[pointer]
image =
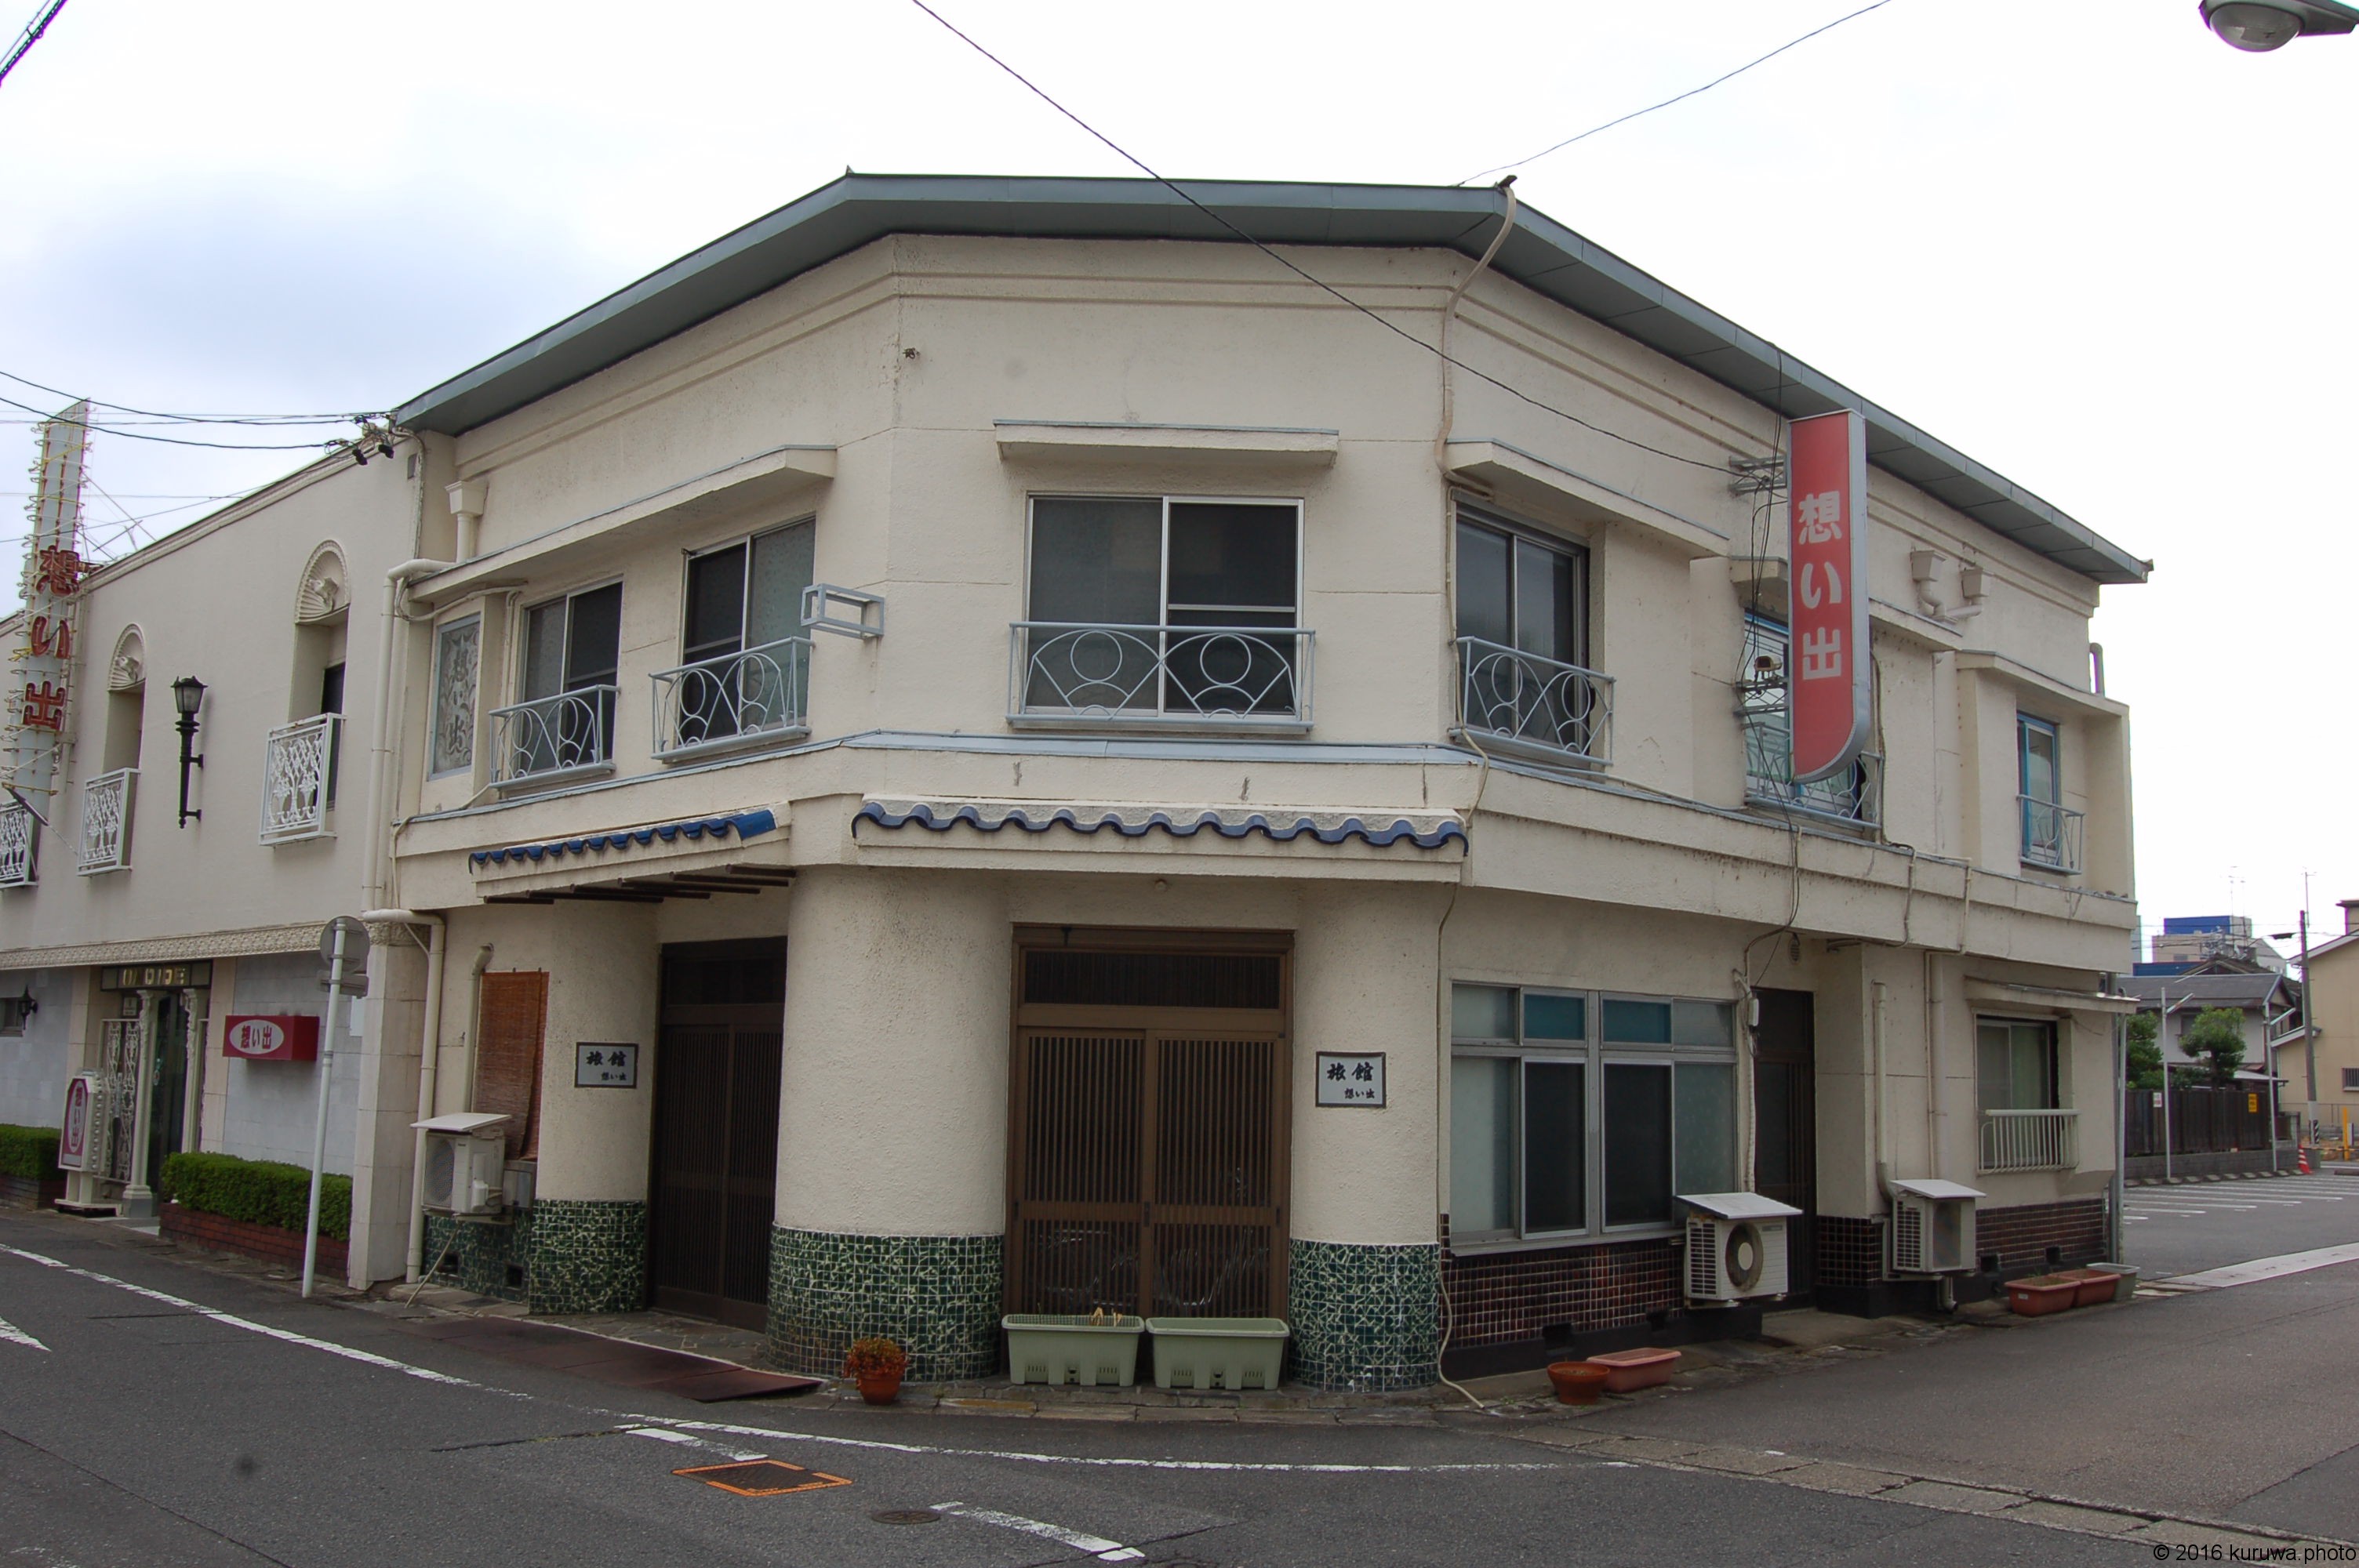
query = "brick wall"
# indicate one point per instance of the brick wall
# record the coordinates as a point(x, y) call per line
point(2020, 1236)
point(1502, 1298)
point(28, 1192)
point(1850, 1249)
point(267, 1242)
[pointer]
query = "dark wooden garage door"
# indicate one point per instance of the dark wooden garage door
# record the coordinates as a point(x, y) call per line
point(1149, 1117)
point(716, 1130)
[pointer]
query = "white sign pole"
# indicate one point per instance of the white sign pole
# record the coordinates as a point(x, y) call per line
point(320, 1121)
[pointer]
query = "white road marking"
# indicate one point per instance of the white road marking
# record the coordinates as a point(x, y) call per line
point(2267, 1268)
point(1098, 1546)
point(662, 1435)
point(10, 1334)
point(232, 1321)
point(1021, 1456)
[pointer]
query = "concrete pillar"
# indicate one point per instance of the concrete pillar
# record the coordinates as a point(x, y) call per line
point(383, 1147)
point(892, 1119)
point(1364, 1265)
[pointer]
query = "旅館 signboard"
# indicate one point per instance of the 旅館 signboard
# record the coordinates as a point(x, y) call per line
point(1827, 692)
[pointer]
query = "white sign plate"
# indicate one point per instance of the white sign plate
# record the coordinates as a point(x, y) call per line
point(599, 1064)
point(1354, 1078)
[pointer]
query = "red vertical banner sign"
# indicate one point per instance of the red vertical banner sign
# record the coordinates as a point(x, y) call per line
point(1826, 664)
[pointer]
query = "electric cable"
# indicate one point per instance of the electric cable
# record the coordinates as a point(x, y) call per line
point(1690, 92)
point(176, 441)
point(30, 36)
point(190, 419)
point(1319, 284)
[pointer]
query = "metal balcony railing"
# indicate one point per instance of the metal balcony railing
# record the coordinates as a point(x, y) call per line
point(107, 823)
point(2051, 835)
point(298, 779)
point(1062, 674)
point(549, 738)
point(1520, 702)
point(1854, 797)
point(18, 828)
point(738, 699)
point(2030, 1139)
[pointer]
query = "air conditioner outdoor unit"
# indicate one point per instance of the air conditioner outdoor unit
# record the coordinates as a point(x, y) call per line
point(1736, 1247)
point(1933, 1227)
point(466, 1156)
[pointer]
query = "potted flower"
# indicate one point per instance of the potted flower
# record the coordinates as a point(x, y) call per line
point(877, 1364)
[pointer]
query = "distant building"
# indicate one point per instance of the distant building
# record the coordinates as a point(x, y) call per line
point(2187, 940)
point(2334, 1018)
point(2269, 1001)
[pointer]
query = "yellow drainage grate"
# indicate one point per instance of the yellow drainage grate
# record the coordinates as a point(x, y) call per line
point(763, 1477)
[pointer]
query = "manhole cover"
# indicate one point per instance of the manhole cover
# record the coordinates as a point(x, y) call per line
point(762, 1478)
point(906, 1516)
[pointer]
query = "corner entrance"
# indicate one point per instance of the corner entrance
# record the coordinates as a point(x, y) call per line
point(1147, 1149)
point(1786, 1125)
point(713, 1187)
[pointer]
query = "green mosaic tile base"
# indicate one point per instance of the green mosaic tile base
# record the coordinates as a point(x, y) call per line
point(479, 1255)
point(1364, 1318)
point(589, 1256)
point(937, 1295)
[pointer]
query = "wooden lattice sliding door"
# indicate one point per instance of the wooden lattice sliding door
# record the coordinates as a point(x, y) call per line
point(1149, 1140)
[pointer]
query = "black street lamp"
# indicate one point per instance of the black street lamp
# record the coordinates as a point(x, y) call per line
point(188, 696)
point(2258, 26)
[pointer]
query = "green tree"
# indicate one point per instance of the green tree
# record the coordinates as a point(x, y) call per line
point(2142, 1061)
point(2216, 1039)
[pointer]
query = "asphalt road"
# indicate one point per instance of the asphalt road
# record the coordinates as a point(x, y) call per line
point(2193, 1225)
point(216, 1421)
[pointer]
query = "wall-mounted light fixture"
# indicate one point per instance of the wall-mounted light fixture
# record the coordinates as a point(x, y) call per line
point(188, 696)
point(15, 1009)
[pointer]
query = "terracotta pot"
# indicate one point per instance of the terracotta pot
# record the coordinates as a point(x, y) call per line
point(1578, 1383)
point(2041, 1294)
point(880, 1388)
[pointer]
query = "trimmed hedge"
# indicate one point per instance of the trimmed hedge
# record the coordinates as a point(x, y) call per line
point(264, 1191)
point(29, 1151)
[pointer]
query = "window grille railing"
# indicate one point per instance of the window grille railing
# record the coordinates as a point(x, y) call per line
point(107, 823)
point(1064, 673)
point(1522, 702)
point(553, 738)
point(1854, 797)
point(17, 830)
point(2051, 835)
point(738, 699)
point(299, 771)
point(2030, 1139)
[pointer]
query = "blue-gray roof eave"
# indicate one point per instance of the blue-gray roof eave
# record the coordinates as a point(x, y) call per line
point(1542, 255)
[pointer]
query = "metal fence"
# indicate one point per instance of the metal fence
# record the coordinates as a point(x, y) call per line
point(2202, 1120)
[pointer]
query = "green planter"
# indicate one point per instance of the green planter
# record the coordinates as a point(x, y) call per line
point(1043, 1349)
point(1231, 1352)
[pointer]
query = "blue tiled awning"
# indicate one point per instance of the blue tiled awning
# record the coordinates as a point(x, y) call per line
point(745, 825)
point(1137, 822)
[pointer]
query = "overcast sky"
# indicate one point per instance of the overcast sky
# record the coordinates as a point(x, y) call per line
point(2087, 245)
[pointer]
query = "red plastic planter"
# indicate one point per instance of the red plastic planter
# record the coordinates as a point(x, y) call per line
point(1627, 1371)
point(1578, 1383)
point(2097, 1285)
point(2041, 1294)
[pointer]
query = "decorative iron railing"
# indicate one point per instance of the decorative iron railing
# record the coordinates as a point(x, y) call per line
point(1064, 673)
point(552, 738)
point(107, 823)
point(2051, 835)
point(1854, 796)
point(18, 831)
point(1521, 702)
point(738, 699)
point(2030, 1139)
point(298, 779)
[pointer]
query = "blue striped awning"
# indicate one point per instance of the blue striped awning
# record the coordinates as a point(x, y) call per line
point(745, 825)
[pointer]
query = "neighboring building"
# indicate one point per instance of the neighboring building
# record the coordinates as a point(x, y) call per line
point(2333, 975)
point(134, 934)
point(2188, 940)
point(2268, 1001)
point(985, 693)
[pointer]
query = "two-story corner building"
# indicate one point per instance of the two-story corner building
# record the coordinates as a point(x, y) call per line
point(993, 746)
point(163, 899)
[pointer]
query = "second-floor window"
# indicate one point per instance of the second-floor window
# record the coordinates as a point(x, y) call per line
point(2050, 836)
point(743, 669)
point(1763, 707)
point(1523, 643)
point(1161, 606)
point(571, 654)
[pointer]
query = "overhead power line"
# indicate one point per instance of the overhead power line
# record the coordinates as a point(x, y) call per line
point(189, 418)
point(1319, 284)
point(177, 441)
point(30, 36)
point(1675, 98)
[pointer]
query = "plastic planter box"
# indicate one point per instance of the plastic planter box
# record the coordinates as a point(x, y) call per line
point(1231, 1352)
point(2041, 1294)
point(2125, 1286)
point(2097, 1285)
point(1627, 1371)
point(1049, 1349)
